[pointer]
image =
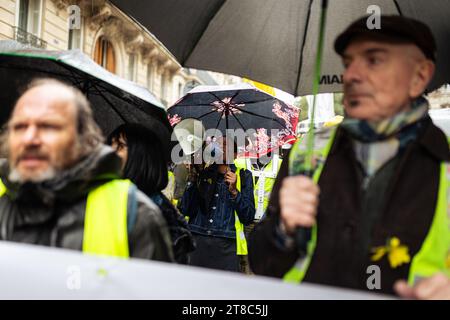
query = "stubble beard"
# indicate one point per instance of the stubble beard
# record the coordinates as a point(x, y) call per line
point(48, 174)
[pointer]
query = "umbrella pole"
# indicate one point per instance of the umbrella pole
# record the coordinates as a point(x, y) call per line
point(303, 234)
point(226, 122)
point(316, 80)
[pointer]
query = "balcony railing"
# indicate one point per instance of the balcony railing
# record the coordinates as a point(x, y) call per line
point(25, 37)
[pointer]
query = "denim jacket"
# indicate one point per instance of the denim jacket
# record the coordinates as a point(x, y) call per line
point(218, 218)
point(182, 239)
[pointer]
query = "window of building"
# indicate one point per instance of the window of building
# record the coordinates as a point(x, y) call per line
point(30, 16)
point(28, 23)
point(104, 54)
point(23, 14)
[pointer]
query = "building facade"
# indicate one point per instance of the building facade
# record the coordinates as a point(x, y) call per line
point(109, 37)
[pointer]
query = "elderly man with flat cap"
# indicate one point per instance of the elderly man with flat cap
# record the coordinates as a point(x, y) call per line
point(377, 205)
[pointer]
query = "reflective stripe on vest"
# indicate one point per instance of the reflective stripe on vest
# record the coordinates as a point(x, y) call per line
point(264, 186)
point(435, 249)
point(105, 223)
point(2, 188)
point(241, 242)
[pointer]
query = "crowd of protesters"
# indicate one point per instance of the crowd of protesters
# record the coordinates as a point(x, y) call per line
point(63, 184)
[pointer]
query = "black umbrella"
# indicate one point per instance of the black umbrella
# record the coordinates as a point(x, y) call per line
point(114, 100)
point(268, 121)
point(274, 41)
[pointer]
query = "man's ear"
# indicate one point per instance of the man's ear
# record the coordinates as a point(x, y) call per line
point(421, 78)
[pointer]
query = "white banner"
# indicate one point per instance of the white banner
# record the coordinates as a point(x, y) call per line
point(35, 272)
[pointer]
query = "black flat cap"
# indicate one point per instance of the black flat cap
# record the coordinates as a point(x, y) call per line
point(394, 29)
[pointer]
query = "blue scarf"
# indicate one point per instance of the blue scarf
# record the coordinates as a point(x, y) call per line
point(396, 126)
point(375, 143)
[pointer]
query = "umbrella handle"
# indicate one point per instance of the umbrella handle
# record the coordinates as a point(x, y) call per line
point(302, 237)
point(303, 234)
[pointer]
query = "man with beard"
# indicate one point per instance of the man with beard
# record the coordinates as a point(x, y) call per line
point(382, 216)
point(61, 185)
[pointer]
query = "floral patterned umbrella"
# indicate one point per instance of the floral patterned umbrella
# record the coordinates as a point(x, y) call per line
point(267, 121)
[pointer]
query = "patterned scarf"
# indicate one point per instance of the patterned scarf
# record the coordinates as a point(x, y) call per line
point(377, 142)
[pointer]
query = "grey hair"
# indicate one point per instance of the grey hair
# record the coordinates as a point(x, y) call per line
point(90, 136)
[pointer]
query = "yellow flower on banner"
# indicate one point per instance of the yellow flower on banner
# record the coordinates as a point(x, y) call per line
point(397, 253)
point(379, 253)
point(398, 256)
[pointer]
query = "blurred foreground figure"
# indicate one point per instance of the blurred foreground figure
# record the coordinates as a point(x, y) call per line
point(382, 216)
point(60, 186)
point(145, 164)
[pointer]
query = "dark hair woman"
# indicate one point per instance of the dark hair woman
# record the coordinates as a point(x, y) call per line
point(145, 163)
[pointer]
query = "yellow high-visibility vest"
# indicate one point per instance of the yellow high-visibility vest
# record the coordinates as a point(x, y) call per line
point(241, 242)
point(105, 223)
point(170, 188)
point(266, 179)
